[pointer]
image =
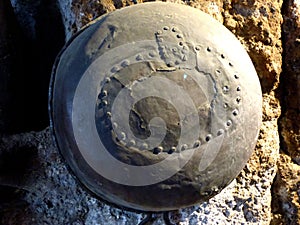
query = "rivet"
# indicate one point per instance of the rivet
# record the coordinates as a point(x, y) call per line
point(170, 64)
point(208, 49)
point(131, 142)
point(236, 76)
point(115, 69)
point(238, 100)
point(222, 56)
point(107, 79)
point(173, 149)
point(174, 29)
point(230, 64)
point(115, 125)
point(108, 114)
point(235, 112)
point(197, 144)
point(220, 132)
point(157, 150)
point(197, 48)
point(174, 49)
point(104, 93)
point(105, 102)
point(166, 28)
point(139, 57)
point(151, 54)
point(208, 138)
point(225, 105)
point(123, 136)
point(125, 63)
point(144, 146)
point(179, 36)
point(185, 47)
point(159, 32)
point(228, 123)
point(160, 148)
point(184, 147)
point(225, 89)
point(181, 43)
point(238, 88)
point(218, 71)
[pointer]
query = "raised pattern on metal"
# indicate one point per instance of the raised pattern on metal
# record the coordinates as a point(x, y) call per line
point(156, 114)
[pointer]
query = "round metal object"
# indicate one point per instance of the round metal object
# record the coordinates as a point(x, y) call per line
point(155, 107)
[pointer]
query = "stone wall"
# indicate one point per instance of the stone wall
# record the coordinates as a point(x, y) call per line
point(267, 191)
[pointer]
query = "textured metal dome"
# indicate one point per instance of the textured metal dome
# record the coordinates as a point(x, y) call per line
point(155, 106)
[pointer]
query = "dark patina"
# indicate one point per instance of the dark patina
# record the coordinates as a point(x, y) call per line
point(197, 79)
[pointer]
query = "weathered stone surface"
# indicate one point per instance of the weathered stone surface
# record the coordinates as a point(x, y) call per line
point(213, 8)
point(287, 185)
point(257, 24)
point(286, 192)
point(51, 195)
point(290, 81)
point(47, 192)
point(78, 13)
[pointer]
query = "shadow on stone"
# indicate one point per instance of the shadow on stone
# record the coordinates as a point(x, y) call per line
point(16, 164)
point(38, 37)
point(12, 209)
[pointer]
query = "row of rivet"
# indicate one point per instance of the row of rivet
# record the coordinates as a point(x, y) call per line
point(159, 149)
point(183, 147)
point(184, 50)
point(226, 89)
point(122, 137)
point(197, 143)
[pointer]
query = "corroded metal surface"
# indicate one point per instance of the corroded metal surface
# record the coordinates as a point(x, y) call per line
point(155, 107)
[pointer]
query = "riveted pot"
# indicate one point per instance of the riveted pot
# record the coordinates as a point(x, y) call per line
point(155, 106)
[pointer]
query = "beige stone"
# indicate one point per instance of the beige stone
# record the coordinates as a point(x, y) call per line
point(286, 195)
